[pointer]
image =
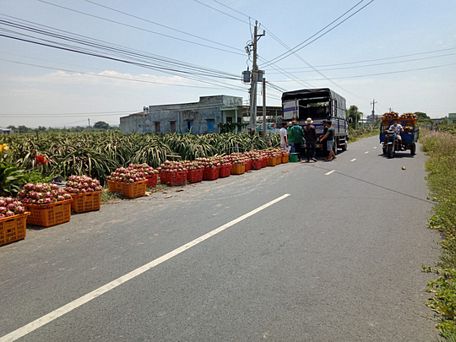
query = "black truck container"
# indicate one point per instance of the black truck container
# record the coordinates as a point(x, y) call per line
point(319, 104)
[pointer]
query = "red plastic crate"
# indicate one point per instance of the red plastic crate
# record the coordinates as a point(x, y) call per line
point(264, 161)
point(284, 157)
point(177, 178)
point(85, 202)
point(12, 228)
point(152, 180)
point(210, 173)
point(225, 170)
point(195, 176)
point(257, 164)
point(248, 165)
point(47, 215)
point(164, 175)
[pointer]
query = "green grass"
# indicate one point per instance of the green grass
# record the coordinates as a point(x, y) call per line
point(441, 168)
point(363, 132)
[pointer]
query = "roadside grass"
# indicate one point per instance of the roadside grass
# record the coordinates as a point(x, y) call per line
point(441, 177)
point(362, 132)
point(113, 197)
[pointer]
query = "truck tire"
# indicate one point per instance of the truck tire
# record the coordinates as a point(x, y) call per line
point(344, 146)
point(413, 149)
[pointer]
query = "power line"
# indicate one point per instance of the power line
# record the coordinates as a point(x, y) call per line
point(104, 76)
point(136, 27)
point(163, 25)
point(102, 45)
point(290, 49)
point(317, 36)
point(377, 59)
point(190, 74)
point(382, 73)
point(222, 12)
point(377, 64)
point(313, 68)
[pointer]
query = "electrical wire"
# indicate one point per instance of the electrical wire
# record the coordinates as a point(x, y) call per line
point(309, 40)
point(378, 59)
point(165, 26)
point(284, 72)
point(79, 72)
point(184, 73)
point(137, 27)
point(376, 64)
point(222, 12)
point(383, 73)
point(102, 45)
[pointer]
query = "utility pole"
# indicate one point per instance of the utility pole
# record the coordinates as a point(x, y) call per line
point(89, 121)
point(254, 77)
point(264, 106)
point(373, 109)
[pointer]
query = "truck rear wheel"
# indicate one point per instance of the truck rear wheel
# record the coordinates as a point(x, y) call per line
point(344, 146)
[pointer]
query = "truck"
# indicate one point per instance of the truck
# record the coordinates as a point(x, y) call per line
point(321, 105)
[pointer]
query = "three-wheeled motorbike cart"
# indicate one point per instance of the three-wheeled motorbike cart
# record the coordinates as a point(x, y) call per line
point(408, 137)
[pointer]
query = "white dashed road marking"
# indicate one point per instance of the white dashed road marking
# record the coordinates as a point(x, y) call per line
point(366, 152)
point(328, 173)
point(354, 159)
point(32, 326)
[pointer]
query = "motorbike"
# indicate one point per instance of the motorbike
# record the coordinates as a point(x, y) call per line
point(390, 143)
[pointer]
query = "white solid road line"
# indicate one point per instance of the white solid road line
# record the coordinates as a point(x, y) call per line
point(328, 173)
point(28, 328)
point(354, 159)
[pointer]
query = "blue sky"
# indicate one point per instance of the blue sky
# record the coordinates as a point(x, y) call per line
point(402, 53)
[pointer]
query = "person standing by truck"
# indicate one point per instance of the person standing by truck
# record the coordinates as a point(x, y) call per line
point(310, 137)
point(328, 139)
point(284, 137)
point(296, 139)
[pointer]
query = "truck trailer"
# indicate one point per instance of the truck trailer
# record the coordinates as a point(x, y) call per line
point(320, 104)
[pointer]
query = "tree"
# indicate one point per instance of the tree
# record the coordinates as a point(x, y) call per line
point(422, 117)
point(101, 125)
point(353, 116)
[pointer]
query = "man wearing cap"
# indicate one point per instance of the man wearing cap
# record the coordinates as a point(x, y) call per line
point(310, 136)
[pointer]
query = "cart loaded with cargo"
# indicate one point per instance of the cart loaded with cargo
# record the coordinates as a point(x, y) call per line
point(402, 137)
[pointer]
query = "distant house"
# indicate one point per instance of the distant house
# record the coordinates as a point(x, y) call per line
point(205, 116)
point(452, 118)
point(5, 131)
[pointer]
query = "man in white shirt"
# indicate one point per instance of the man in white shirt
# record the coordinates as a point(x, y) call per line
point(397, 128)
point(284, 136)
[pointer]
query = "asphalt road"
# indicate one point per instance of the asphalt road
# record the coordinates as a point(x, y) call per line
point(337, 257)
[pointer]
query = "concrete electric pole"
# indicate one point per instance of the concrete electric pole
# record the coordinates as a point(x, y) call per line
point(264, 106)
point(254, 77)
point(373, 109)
